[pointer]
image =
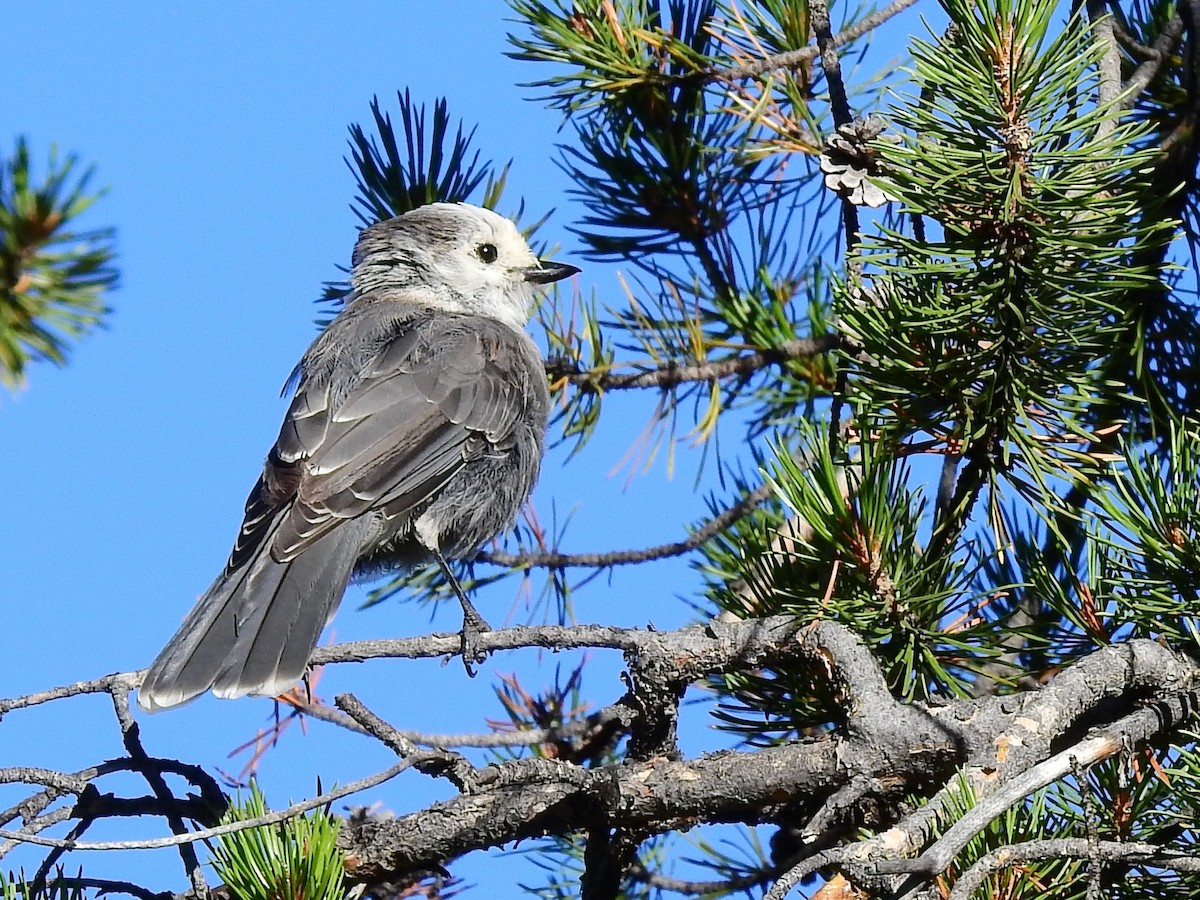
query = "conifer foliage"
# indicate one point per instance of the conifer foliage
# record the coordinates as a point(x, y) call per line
point(933, 327)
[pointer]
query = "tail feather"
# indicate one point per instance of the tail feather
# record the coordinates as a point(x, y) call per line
point(253, 631)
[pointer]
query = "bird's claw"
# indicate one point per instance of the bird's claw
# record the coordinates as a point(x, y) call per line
point(471, 652)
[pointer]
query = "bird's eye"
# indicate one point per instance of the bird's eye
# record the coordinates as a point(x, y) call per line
point(487, 252)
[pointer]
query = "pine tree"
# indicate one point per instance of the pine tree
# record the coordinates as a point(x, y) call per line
point(933, 328)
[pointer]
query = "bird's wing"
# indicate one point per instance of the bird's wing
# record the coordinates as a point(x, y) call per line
point(434, 397)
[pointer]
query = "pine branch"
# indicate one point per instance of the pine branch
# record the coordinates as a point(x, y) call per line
point(54, 282)
point(673, 374)
point(107, 886)
point(271, 818)
point(1130, 732)
point(793, 58)
point(1110, 59)
point(1017, 758)
point(554, 560)
point(1132, 853)
point(797, 873)
point(584, 729)
point(1157, 55)
point(1003, 741)
point(131, 738)
point(706, 888)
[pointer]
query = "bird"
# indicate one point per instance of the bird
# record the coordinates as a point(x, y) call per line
point(415, 433)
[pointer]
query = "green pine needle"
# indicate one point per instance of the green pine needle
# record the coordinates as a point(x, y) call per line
point(53, 281)
point(296, 859)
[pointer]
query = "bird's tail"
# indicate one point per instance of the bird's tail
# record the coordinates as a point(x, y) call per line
point(253, 631)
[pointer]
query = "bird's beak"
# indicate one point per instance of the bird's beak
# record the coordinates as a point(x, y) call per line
point(547, 271)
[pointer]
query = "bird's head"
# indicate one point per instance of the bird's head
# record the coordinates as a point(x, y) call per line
point(464, 258)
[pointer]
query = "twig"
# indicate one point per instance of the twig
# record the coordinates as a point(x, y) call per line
point(1087, 803)
point(1160, 53)
point(37, 886)
point(375, 726)
point(29, 810)
point(842, 115)
point(442, 763)
point(714, 526)
point(549, 637)
point(233, 827)
point(60, 781)
point(731, 885)
point(318, 710)
point(835, 809)
point(827, 45)
point(524, 737)
point(36, 824)
point(130, 736)
point(793, 58)
point(671, 374)
point(95, 686)
point(109, 886)
point(1131, 43)
point(798, 873)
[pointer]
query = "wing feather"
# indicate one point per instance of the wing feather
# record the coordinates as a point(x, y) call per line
point(436, 395)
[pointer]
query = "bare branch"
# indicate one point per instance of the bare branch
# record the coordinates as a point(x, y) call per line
point(375, 726)
point(1069, 848)
point(827, 45)
point(647, 796)
point(1010, 760)
point(672, 374)
point(714, 888)
point(29, 810)
point(1110, 60)
point(35, 824)
point(207, 833)
point(840, 806)
point(548, 637)
point(1132, 44)
point(583, 728)
point(1159, 54)
point(443, 763)
point(793, 58)
point(317, 710)
point(641, 796)
point(130, 736)
point(1001, 744)
point(714, 526)
point(61, 781)
point(1086, 753)
point(105, 886)
point(799, 872)
point(103, 685)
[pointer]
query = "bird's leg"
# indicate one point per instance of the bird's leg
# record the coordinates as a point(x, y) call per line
point(473, 623)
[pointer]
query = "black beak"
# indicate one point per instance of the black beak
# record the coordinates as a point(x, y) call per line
point(548, 271)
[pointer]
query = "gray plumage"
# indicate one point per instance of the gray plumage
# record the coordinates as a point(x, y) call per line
point(416, 430)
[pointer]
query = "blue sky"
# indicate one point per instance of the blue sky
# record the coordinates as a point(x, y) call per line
point(220, 131)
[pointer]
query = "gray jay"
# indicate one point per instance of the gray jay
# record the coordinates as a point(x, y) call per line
point(415, 432)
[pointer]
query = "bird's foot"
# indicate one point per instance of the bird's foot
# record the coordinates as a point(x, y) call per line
point(473, 628)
